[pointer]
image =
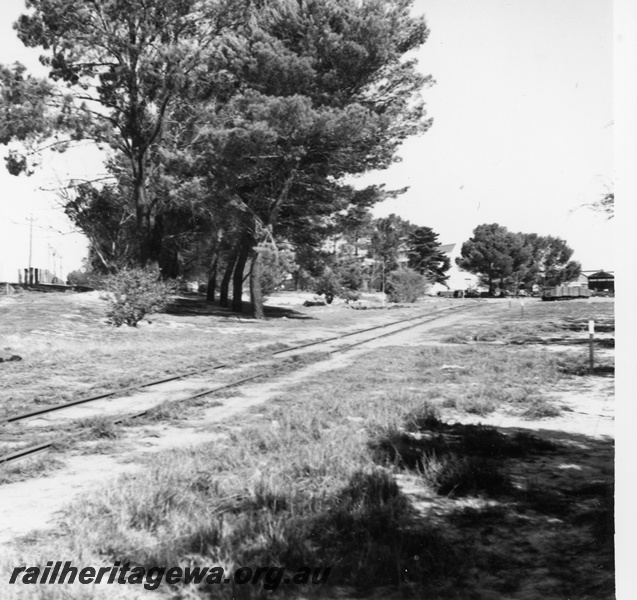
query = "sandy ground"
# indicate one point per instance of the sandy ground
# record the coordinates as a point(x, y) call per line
point(35, 504)
point(29, 506)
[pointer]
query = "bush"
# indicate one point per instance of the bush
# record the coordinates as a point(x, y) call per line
point(277, 262)
point(134, 293)
point(304, 280)
point(78, 278)
point(350, 274)
point(343, 281)
point(86, 278)
point(329, 285)
point(349, 295)
point(405, 285)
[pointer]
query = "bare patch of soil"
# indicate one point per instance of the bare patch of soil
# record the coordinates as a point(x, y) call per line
point(542, 526)
point(43, 508)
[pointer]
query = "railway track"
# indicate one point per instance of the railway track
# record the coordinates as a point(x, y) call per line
point(333, 344)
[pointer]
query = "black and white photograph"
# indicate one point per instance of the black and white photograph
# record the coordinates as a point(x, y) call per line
point(315, 299)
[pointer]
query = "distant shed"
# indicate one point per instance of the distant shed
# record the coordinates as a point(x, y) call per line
point(601, 282)
point(457, 279)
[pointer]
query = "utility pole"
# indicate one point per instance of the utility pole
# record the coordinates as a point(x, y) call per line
point(30, 219)
point(30, 276)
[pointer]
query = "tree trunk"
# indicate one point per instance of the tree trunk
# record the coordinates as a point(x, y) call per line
point(237, 276)
point(256, 293)
point(169, 263)
point(491, 286)
point(142, 207)
point(382, 280)
point(225, 282)
point(212, 280)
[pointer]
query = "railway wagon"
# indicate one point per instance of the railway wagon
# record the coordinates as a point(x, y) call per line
point(451, 294)
point(565, 292)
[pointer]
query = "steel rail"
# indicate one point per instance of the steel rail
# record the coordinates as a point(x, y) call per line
point(338, 337)
point(108, 394)
point(42, 447)
point(382, 335)
point(42, 411)
point(28, 451)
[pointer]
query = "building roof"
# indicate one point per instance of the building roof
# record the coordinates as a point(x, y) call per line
point(601, 275)
point(447, 248)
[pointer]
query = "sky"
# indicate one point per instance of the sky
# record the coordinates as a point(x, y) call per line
point(523, 123)
point(522, 134)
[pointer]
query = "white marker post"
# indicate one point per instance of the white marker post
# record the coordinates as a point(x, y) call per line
point(522, 306)
point(591, 351)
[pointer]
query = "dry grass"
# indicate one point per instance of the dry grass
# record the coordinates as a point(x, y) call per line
point(69, 351)
point(541, 320)
point(302, 482)
point(312, 479)
point(70, 369)
point(38, 466)
point(456, 459)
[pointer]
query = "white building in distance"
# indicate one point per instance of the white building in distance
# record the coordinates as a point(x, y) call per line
point(458, 280)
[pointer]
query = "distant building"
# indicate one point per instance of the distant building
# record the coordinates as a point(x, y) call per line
point(581, 280)
point(601, 281)
point(458, 280)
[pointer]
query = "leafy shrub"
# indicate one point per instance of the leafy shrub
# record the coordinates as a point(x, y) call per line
point(349, 295)
point(277, 262)
point(343, 281)
point(350, 274)
point(329, 285)
point(77, 278)
point(304, 280)
point(405, 285)
point(134, 293)
point(84, 278)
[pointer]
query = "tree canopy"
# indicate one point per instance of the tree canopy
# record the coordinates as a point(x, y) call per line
point(425, 255)
point(508, 259)
point(606, 204)
point(390, 234)
point(121, 68)
point(230, 123)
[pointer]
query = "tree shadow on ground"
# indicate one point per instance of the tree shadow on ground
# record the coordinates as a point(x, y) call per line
point(449, 511)
point(530, 512)
point(190, 305)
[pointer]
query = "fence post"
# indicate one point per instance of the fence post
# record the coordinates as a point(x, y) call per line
point(591, 351)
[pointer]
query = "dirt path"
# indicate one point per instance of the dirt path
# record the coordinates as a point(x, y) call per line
point(34, 504)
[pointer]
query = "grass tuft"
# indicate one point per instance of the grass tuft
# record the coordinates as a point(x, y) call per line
point(99, 428)
point(466, 476)
point(370, 526)
point(38, 466)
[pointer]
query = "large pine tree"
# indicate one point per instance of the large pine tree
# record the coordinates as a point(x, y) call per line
point(425, 255)
point(244, 115)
